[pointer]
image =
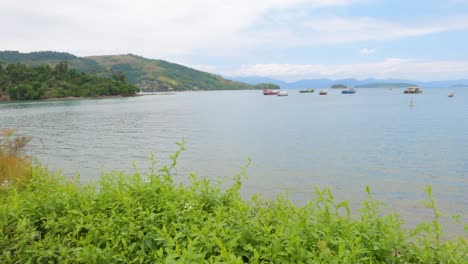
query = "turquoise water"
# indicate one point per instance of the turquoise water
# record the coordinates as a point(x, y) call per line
point(344, 142)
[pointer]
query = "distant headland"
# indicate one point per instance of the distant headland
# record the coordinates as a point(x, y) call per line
point(139, 73)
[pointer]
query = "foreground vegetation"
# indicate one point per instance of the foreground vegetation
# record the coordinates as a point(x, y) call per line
point(22, 82)
point(14, 164)
point(147, 218)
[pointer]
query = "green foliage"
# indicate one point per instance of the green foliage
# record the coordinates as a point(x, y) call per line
point(270, 86)
point(22, 82)
point(17, 57)
point(14, 164)
point(147, 218)
point(147, 74)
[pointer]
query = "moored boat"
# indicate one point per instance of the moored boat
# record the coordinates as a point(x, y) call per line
point(307, 91)
point(412, 90)
point(282, 93)
point(323, 92)
point(349, 91)
point(270, 92)
point(451, 94)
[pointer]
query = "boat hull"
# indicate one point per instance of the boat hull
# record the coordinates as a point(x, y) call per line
point(270, 92)
point(408, 92)
point(412, 90)
point(307, 91)
point(348, 92)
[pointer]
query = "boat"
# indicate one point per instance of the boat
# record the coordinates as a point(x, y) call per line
point(323, 92)
point(451, 94)
point(270, 92)
point(307, 91)
point(282, 93)
point(411, 103)
point(349, 91)
point(412, 90)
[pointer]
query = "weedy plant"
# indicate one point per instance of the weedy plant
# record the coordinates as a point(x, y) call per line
point(14, 164)
point(147, 218)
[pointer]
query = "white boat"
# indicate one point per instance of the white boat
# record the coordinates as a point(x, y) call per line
point(451, 94)
point(282, 93)
point(412, 90)
point(350, 90)
point(270, 92)
point(323, 92)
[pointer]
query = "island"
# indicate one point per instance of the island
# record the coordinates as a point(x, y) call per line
point(339, 86)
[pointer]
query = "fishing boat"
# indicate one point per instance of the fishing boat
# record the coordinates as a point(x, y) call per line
point(282, 93)
point(451, 94)
point(323, 92)
point(307, 91)
point(412, 90)
point(270, 92)
point(349, 91)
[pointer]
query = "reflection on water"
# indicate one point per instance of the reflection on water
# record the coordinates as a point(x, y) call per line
point(297, 142)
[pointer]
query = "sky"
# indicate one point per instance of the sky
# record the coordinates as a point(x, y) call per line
point(423, 40)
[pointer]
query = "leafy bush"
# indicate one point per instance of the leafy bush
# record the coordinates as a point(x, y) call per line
point(14, 165)
point(147, 218)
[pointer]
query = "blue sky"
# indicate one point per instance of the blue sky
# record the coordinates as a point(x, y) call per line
point(285, 39)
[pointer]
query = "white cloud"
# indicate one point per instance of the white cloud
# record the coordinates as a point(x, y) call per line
point(367, 51)
point(388, 68)
point(147, 27)
point(333, 30)
point(201, 67)
point(180, 28)
point(161, 28)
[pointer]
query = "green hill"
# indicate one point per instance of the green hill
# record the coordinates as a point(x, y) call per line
point(147, 74)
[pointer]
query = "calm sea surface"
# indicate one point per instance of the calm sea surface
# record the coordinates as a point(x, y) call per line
point(344, 142)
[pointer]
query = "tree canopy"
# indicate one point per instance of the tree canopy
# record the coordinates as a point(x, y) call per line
point(22, 82)
point(147, 74)
point(267, 86)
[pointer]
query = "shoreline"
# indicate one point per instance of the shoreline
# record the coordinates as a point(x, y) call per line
point(3, 99)
point(71, 98)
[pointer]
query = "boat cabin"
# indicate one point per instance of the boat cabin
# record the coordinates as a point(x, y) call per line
point(413, 90)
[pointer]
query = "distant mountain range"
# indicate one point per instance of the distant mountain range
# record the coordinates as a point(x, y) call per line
point(367, 83)
point(160, 75)
point(147, 74)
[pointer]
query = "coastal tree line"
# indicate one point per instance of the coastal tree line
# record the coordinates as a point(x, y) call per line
point(23, 82)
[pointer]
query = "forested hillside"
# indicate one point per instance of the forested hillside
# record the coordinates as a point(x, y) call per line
point(22, 82)
point(147, 74)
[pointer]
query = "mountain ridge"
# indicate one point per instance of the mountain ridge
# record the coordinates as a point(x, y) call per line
point(147, 74)
point(160, 75)
point(369, 82)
